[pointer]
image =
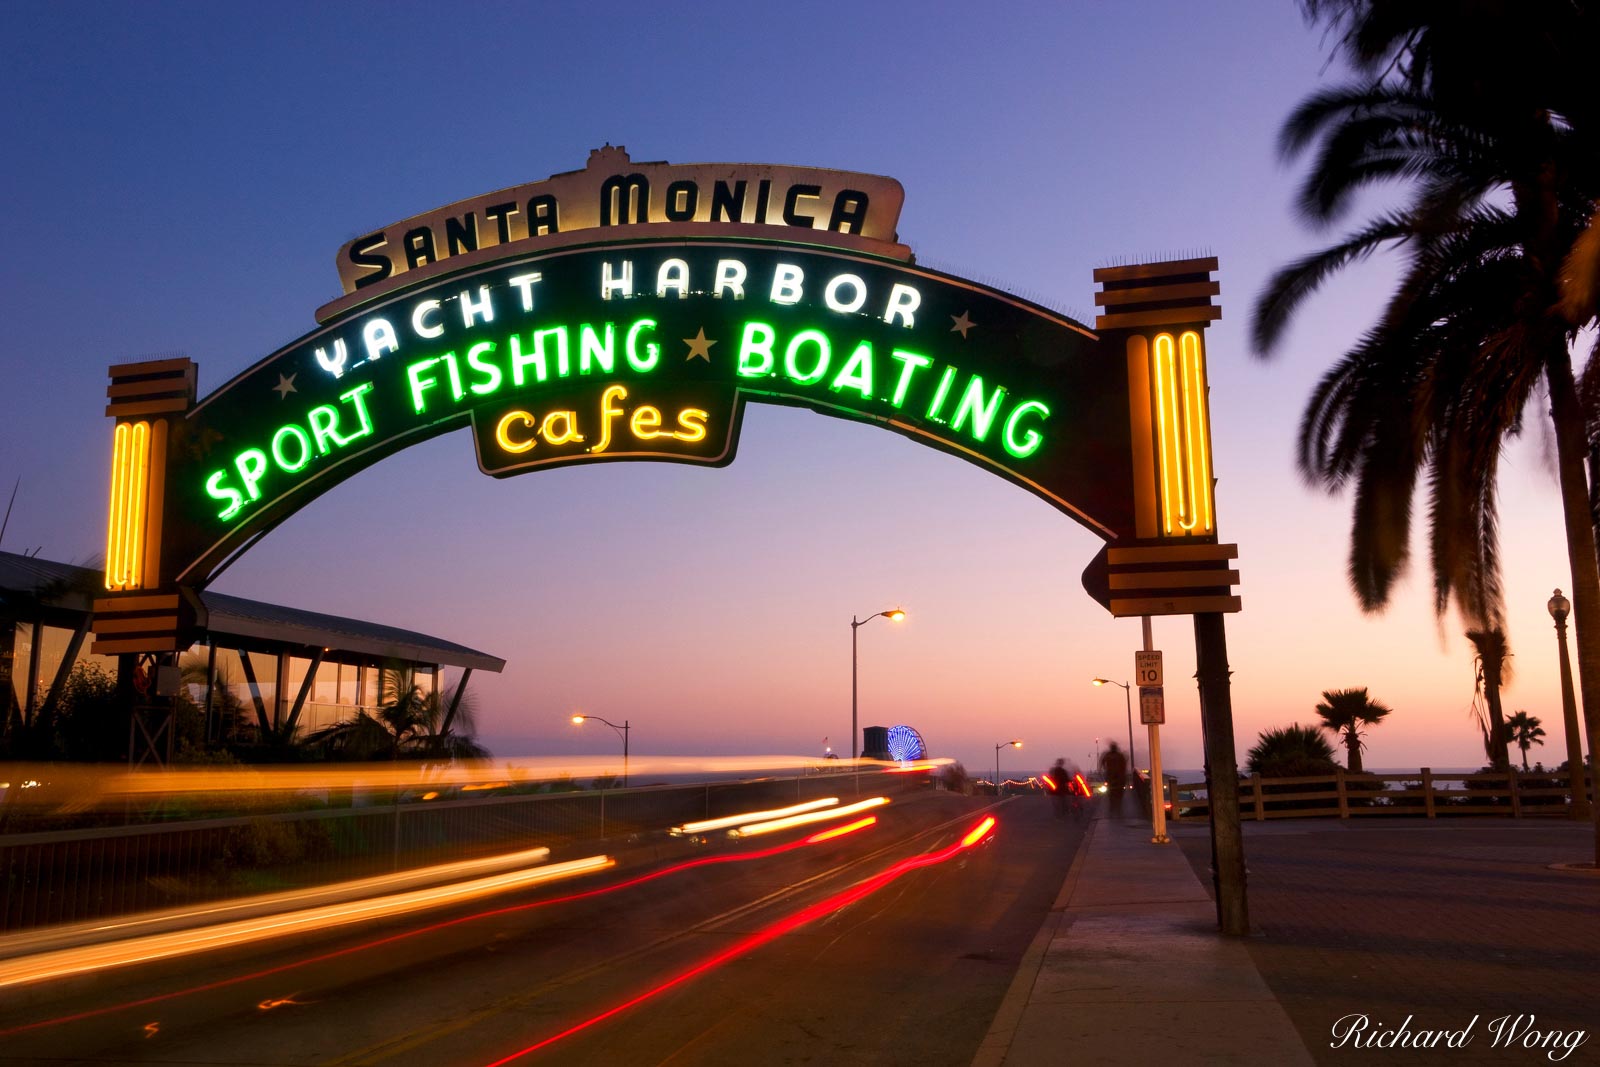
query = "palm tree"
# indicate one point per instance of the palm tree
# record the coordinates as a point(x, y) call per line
point(1525, 731)
point(1291, 752)
point(1492, 668)
point(1486, 113)
point(1344, 712)
point(409, 724)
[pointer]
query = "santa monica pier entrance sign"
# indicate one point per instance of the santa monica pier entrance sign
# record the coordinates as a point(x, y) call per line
point(630, 311)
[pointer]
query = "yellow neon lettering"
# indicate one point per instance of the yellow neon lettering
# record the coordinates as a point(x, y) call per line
point(646, 423)
point(569, 428)
point(502, 431)
point(608, 414)
point(692, 425)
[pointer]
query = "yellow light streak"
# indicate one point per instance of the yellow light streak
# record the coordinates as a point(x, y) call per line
point(807, 819)
point(28, 970)
point(751, 816)
point(76, 935)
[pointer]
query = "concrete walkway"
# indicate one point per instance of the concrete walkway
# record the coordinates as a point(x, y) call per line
point(1129, 968)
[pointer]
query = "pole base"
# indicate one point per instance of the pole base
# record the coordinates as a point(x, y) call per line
point(1161, 839)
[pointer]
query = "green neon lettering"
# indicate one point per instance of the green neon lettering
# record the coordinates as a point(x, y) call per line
point(563, 364)
point(757, 341)
point(217, 491)
point(454, 368)
point(824, 353)
point(357, 398)
point(519, 361)
point(856, 373)
point(324, 422)
point(420, 384)
point(593, 350)
point(251, 464)
point(941, 394)
point(652, 352)
point(981, 411)
point(1031, 438)
point(910, 363)
point(299, 436)
point(491, 373)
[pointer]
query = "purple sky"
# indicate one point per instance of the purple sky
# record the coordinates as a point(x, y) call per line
point(179, 177)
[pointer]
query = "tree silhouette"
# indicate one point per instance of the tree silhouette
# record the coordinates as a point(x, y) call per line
point(1344, 712)
point(1525, 731)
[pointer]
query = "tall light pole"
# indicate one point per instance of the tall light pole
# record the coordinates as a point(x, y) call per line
point(1127, 692)
point(893, 614)
point(578, 720)
point(1559, 607)
point(997, 748)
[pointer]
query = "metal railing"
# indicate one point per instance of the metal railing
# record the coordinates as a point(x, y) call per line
point(72, 875)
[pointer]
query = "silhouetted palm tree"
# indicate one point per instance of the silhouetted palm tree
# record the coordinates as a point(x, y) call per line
point(1525, 731)
point(1344, 712)
point(1486, 112)
point(1291, 752)
point(409, 724)
point(1492, 669)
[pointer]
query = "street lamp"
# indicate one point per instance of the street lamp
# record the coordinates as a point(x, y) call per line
point(997, 748)
point(1127, 692)
point(1559, 607)
point(578, 720)
point(893, 614)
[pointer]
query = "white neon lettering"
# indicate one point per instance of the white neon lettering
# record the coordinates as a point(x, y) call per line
point(379, 338)
point(419, 313)
point(730, 278)
point(334, 366)
point(481, 309)
point(787, 284)
point(903, 303)
point(673, 274)
point(611, 282)
point(523, 284)
point(830, 295)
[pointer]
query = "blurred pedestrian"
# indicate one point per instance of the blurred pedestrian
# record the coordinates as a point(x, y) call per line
point(1114, 769)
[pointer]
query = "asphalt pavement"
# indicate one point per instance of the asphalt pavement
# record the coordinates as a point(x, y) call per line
point(1459, 941)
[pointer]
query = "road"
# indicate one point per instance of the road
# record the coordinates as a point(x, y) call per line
point(892, 944)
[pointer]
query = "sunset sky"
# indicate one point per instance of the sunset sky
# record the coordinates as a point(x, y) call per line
point(179, 177)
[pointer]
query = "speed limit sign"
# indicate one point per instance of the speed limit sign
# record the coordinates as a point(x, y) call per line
point(1147, 668)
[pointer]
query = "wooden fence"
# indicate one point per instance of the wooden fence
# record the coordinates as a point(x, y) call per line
point(1426, 793)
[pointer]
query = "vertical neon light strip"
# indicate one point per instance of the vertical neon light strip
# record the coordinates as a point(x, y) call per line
point(130, 479)
point(1197, 434)
point(1167, 425)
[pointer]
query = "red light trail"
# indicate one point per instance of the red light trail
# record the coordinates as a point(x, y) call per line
point(771, 933)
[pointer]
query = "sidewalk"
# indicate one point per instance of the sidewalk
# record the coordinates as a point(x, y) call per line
point(1129, 968)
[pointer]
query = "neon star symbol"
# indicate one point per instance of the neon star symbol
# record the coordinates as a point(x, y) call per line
point(285, 386)
point(962, 324)
point(699, 346)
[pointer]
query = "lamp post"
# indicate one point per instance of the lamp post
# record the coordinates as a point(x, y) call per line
point(1127, 692)
point(1559, 607)
point(578, 720)
point(894, 614)
point(997, 748)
